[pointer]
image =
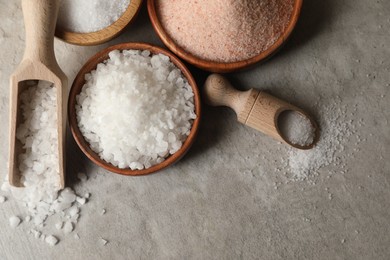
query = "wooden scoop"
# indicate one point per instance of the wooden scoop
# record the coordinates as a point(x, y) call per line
point(254, 108)
point(38, 63)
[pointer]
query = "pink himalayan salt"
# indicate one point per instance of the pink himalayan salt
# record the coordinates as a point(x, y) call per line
point(225, 30)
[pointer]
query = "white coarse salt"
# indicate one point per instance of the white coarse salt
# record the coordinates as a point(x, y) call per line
point(103, 241)
point(90, 15)
point(59, 225)
point(68, 227)
point(36, 233)
point(2, 199)
point(80, 200)
point(296, 128)
point(51, 240)
point(14, 221)
point(135, 109)
point(38, 162)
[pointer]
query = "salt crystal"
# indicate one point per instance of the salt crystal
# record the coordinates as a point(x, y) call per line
point(90, 15)
point(103, 241)
point(27, 219)
point(67, 195)
point(73, 211)
point(86, 195)
point(103, 212)
point(59, 225)
point(14, 221)
point(80, 200)
point(36, 233)
point(2, 199)
point(68, 227)
point(51, 240)
point(75, 218)
point(76, 236)
point(140, 127)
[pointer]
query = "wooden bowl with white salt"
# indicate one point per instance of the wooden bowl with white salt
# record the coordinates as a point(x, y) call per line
point(224, 35)
point(132, 117)
point(75, 25)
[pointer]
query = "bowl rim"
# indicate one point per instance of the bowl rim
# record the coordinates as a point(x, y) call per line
point(221, 67)
point(105, 34)
point(78, 83)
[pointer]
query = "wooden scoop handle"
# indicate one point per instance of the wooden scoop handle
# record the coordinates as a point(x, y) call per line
point(40, 17)
point(254, 108)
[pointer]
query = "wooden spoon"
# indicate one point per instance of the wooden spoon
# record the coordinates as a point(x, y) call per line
point(38, 63)
point(254, 108)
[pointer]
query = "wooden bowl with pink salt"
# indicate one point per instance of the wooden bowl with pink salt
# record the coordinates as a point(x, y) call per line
point(224, 35)
point(134, 109)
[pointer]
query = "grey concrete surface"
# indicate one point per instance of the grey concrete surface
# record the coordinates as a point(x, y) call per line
point(229, 198)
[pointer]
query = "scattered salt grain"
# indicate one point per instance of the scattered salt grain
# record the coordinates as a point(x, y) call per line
point(103, 212)
point(76, 236)
point(73, 211)
point(59, 225)
point(80, 200)
point(225, 30)
point(51, 240)
point(86, 195)
point(90, 15)
point(36, 233)
point(146, 105)
point(296, 128)
point(14, 221)
point(2, 199)
point(68, 227)
point(27, 219)
point(103, 241)
point(67, 196)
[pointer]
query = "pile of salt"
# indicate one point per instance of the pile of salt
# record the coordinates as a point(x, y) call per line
point(90, 15)
point(225, 30)
point(38, 164)
point(296, 128)
point(135, 109)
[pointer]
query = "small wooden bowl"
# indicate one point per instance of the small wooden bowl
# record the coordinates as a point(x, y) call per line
point(104, 35)
point(220, 67)
point(79, 82)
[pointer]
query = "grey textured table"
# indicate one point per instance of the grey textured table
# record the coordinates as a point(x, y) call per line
point(228, 197)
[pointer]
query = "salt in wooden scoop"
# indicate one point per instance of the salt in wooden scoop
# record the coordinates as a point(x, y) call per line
point(257, 109)
point(38, 63)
